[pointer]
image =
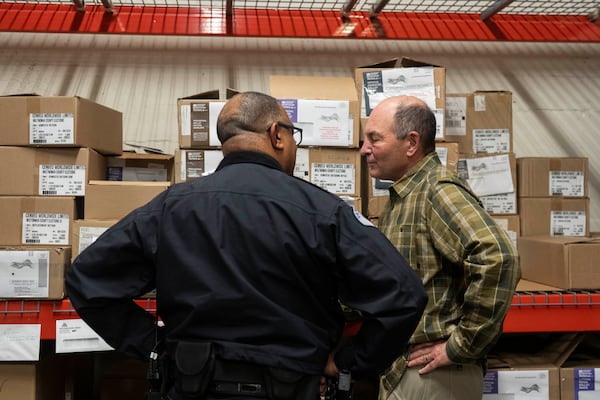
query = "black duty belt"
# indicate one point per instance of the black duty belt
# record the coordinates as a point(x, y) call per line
point(238, 378)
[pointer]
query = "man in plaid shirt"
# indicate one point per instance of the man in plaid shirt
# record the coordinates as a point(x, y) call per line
point(467, 263)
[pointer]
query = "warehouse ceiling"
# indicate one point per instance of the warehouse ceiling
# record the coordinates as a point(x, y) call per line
point(520, 7)
point(508, 20)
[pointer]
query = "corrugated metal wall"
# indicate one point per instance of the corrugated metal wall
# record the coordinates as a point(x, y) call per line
point(555, 86)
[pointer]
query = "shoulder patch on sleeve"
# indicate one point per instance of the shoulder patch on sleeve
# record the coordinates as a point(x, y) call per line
point(361, 218)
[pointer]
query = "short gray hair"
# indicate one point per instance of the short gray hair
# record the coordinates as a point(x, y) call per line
point(255, 112)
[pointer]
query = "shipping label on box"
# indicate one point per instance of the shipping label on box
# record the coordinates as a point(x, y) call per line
point(335, 178)
point(18, 342)
point(587, 383)
point(192, 164)
point(566, 183)
point(504, 203)
point(24, 273)
point(45, 228)
point(302, 167)
point(74, 336)
point(488, 175)
point(335, 170)
point(325, 122)
point(568, 223)
point(417, 81)
point(517, 385)
point(199, 123)
point(62, 180)
point(51, 128)
point(491, 141)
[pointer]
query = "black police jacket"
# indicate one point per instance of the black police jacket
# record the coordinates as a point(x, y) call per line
point(255, 261)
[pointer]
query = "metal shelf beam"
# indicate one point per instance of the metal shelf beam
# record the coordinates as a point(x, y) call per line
point(158, 20)
point(529, 312)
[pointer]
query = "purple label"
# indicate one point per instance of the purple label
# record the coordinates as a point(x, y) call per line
point(291, 107)
point(490, 383)
point(584, 380)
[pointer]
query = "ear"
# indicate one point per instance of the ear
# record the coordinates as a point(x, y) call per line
point(275, 136)
point(414, 143)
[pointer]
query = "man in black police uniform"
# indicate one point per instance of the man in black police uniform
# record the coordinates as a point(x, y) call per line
point(248, 264)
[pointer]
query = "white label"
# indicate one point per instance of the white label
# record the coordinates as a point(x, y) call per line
point(491, 140)
point(456, 116)
point(19, 342)
point(185, 117)
point(479, 104)
point(42, 228)
point(301, 169)
point(488, 175)
point(567, 223)
point(62, 180)
point(566, 183)
point(51, 128)
point(24, 273)
point(336, 178)
point(74, 335)
point(88, 235)
point(517, 385)
point(442, 153)
point(505, 203)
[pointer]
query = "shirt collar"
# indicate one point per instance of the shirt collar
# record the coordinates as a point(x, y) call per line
point(253, 157)
point(415, 175)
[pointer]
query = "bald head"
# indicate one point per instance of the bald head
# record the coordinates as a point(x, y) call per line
point(410, 114)
point(248, 112)
point(252, 121)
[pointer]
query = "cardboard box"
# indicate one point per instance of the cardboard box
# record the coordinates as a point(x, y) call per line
point(511, 224)
point(558, 216)
point(85, 232)
point(197, 119)
point(325, 107)
point(36, 220)
point(42, 380)
point(403, 76)
point(33, 272)
point(524, 366)
point(566, 262)
point(191, 164)
point(145, 167)
point(26, 171)
point(580, 381)
point(525, 285)
point(114, 200)
point(60, 121)
point(335, 170)
point(493, 177)
point(552, 176)
point(580, 373)
point(481, 122)
point(449, 154)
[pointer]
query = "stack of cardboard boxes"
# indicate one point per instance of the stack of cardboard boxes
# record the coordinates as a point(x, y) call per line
point(50, 148)
point(556, 246)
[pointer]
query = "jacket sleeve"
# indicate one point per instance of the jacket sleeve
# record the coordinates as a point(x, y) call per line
point(105, 278)
point(377, 280)
point(490, 266)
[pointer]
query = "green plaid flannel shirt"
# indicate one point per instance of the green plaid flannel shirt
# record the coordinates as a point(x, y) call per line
point(466, 261)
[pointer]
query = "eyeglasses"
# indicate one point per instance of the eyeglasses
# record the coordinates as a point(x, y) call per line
point(294, 130)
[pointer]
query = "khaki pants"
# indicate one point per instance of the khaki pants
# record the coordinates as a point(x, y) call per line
point(455, 382)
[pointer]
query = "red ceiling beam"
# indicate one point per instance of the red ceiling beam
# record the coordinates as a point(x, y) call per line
point(156, 20)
